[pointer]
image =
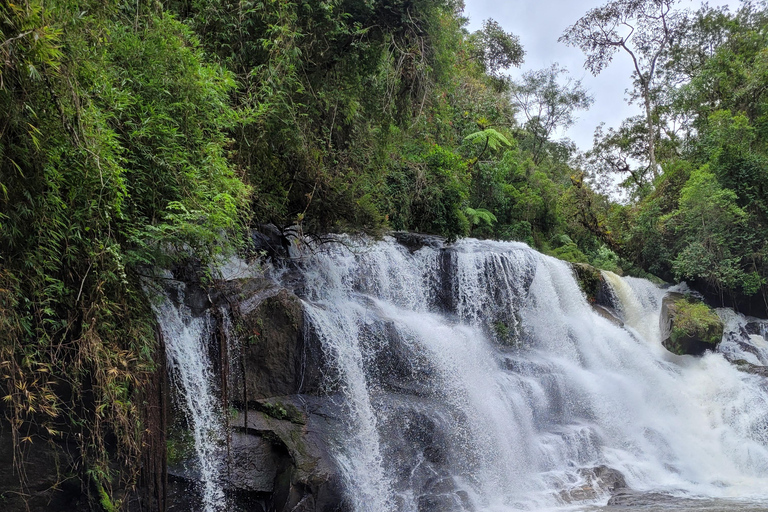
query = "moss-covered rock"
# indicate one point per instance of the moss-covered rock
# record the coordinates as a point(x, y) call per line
point(692, 326)
point(591, 281)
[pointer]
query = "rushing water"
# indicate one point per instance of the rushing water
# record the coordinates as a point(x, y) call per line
point(186, 344)
point(479, 378)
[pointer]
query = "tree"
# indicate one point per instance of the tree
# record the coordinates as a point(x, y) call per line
point(497, 50)
point(616, 152)
point(547, 104)
point(644, 29)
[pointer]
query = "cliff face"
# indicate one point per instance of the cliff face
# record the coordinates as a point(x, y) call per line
point(278, 416)
point(267, 374)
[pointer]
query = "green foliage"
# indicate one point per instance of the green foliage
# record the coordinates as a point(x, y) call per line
point(489, 138)
point(606, 259)
point(137, 134)
point(113, 155)
point(570, 252)
point(547, 105)
point(477, 216)
point(496, 49)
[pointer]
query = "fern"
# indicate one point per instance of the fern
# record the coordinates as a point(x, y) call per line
point(479, 216)
point(490, 137)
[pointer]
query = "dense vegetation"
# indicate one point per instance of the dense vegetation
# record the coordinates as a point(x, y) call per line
point(134, 134)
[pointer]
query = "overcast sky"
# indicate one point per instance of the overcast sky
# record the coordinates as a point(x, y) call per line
point(539, 24)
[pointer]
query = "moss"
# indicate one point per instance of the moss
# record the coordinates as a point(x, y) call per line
point(179, 446)
point(693, 319)
point(281, 411)
point(694, 327)
point(502, 330)
point(105, 501)
point(590, 280)
point(506, 331)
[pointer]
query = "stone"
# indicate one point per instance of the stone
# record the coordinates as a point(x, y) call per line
point(277, 358)
point(590, 280)
point(47, 469)
point(608, 313)
point(692, 327)
point(415, 241)
point(598, 481)
point(290, 458)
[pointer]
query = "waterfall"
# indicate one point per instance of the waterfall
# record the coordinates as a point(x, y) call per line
point(186, 345)
point(478, 377)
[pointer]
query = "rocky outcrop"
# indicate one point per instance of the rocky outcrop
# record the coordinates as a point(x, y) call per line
point(691, 326)
point(591, 281)
point(271, 371)
point(597, 481)
point(47, 470)
point(280, 459)
point(274, 349)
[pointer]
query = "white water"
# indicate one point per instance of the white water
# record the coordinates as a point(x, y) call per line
point(186, 341)
point(480, 426)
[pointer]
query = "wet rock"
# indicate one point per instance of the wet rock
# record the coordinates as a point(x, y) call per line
point(592, 283)
point(396, 364)
point(598, 481)
point(415, 241)
point(692, 326)
point(608, 313)
point(50, 483)
point(636, 499)
point(269, 240)
point(604, 477)
point(276, 357)
point(754, 369)
point(757, 327)
point(446, 300)
point(288, 463)
point(440, 503)
point(255, 462)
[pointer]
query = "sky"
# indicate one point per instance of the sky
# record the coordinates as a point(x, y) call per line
point(539, 24)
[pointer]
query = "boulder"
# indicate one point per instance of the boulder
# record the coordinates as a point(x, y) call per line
point(608, 313)
point(596, 482)
point(415, 241)
point(692, 327)
point(590, 280)
point(754, 369)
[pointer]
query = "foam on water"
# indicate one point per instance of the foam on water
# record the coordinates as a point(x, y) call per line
point(519, 422)
point(191, 374)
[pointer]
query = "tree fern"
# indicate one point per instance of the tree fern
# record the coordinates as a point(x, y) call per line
point(479, 215)
point(490, 137)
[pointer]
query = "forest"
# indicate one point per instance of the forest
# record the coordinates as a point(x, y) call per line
point(143, 134)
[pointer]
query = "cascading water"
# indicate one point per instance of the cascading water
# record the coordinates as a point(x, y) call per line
point(478, 377)
point(191, 375)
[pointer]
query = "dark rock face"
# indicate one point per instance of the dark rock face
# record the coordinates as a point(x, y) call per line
point(592, 283)
point(271, 375)
point(692, 327)
point(415, 241)
point(418, 443)
point(49, 480)
point(280, 459)
point(272, 345)
point(608, 313)
point(396, 365)
point(754, 369)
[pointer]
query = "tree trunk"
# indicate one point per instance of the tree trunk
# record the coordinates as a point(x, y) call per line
point(651, 132)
